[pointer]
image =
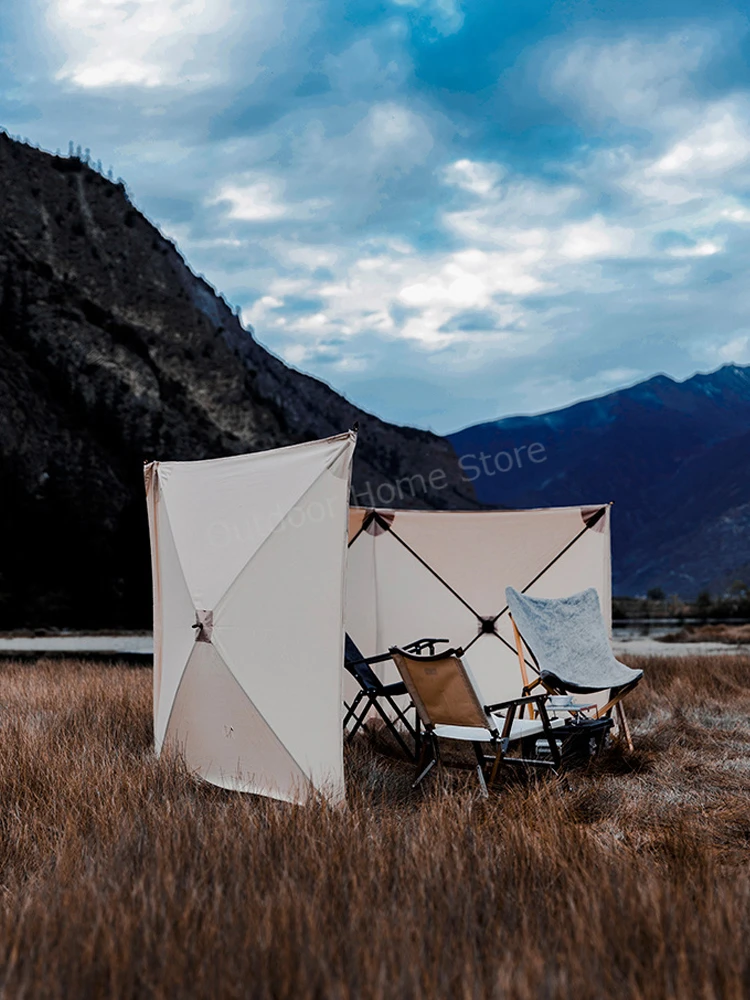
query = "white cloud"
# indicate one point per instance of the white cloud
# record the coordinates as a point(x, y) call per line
point(701, 162)
point(632, 80)
point(394, 131)
point(254, 202)
point(737, 350)
point(705, 249)
point(296, 354)
point(153, 43)
point(507, 211)
point(595, 238)
point(620, 376)
point(310, 257)
point(262, 200)
point(477, 178)
point(736, 214)
point(362, 67)
point(370, 289)
point(718, 144)
point(467, 279)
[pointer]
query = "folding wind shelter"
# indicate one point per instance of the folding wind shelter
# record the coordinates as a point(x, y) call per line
point(248, 559)
point(434, 573)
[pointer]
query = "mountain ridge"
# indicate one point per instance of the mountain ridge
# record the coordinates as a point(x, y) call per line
point(673, 456)
point(113, 351)
point(633, 389)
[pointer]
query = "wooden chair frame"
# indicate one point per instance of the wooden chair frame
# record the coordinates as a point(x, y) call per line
point(613, 703)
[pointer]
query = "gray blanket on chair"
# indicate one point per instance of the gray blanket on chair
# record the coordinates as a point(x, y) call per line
point(568, 637)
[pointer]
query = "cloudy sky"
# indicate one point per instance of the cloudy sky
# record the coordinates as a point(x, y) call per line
point(450, 210)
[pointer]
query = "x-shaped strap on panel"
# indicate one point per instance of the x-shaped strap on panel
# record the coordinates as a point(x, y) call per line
point(487, 625)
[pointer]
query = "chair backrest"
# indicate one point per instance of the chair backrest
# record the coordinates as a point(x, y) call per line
point(359, 668)
point(442, 688)
point(550, 624)
point(569, 640)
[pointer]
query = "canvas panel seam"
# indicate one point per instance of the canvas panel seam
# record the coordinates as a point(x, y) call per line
point(281, 520)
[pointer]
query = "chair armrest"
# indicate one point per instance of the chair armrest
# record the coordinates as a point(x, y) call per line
point(530, 687)
point(419, 645)
point(515, 701)
point(369, 660)
point(397, 688)
point(412, 647)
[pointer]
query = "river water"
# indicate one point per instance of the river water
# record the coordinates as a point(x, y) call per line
point(636, 638)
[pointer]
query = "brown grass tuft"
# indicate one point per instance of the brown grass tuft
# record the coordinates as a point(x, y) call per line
point(121, 876)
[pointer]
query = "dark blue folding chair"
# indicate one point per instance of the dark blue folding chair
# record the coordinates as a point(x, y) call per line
point(373, 693)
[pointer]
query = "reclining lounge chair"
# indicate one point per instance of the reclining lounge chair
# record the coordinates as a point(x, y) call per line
point(449, 706)
point(568, 642)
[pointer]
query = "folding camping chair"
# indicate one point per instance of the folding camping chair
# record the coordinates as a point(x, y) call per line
point(373, 690)
point(449, 706)
point(569, 645)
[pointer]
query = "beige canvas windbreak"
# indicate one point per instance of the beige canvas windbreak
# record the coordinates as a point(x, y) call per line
point(248, 559)
point(414, 573)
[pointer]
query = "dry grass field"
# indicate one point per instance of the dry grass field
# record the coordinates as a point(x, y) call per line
point(120, 876)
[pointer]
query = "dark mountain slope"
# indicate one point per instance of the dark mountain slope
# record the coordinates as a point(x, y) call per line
point(698, 534)
point(674, 457)
point(112, 351)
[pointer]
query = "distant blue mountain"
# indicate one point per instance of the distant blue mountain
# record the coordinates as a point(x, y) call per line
point(674, 456)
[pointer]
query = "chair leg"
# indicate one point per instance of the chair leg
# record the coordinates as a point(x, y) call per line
point(389, 723)
point(401, 717)
point(623, 724)
point(429, 757)
point(482, 783)
point(351, 709)
point(372, 702)
point(615, 696)
point(479, 753)
point(360, 719)
point(423, 774)
point(496, 763)
point(550, 734)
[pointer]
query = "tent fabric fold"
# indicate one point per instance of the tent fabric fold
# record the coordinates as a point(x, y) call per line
point(248, 561)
